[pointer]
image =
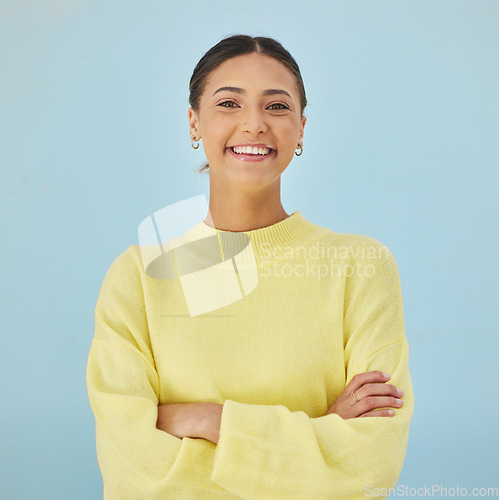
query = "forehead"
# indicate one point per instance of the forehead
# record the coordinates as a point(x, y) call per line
point(252, 70)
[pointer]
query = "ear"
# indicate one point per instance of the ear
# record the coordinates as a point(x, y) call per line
point(302, 127)
point(194, 129)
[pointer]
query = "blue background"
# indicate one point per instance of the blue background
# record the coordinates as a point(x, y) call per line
point(401, 144)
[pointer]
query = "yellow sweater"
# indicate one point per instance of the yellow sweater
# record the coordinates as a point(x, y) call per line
point(315, 308)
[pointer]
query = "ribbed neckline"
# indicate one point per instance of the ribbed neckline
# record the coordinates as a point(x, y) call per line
point(289, 232)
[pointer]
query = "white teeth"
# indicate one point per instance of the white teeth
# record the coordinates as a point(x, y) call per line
point(254, 150)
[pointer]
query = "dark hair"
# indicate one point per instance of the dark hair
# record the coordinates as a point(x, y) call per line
point(237, 45)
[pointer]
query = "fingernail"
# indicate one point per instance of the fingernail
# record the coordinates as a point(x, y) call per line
point(399, 402)
point(386, 375)
point(400, 392)
point(391, 413)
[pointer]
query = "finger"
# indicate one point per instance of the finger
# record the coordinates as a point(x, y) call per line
point(366, 378)
point(379, 413)
point(378, 390)
point(376, 402)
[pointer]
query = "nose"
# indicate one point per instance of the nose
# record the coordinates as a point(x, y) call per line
point(253, 121)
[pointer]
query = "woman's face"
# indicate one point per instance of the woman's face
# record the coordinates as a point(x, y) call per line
point(249, 119)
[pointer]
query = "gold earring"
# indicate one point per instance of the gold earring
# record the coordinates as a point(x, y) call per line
point(301, 150)
point(192, 143)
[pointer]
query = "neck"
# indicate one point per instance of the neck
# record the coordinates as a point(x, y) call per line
point(245, 210)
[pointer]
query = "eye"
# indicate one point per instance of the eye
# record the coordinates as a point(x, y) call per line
point(278, 106)
point(228, 104)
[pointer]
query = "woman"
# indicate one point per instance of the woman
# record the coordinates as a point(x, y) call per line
point(293, 389)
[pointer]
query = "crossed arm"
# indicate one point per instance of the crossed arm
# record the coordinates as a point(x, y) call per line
point(262, 451)
point(367, 395)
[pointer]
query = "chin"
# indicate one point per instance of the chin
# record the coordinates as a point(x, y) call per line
point(255, 180)
point(243, 175)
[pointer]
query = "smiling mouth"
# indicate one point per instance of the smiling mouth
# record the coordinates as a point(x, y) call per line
point(251, 151)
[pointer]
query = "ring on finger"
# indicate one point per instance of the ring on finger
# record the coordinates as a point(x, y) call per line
point(354, 397)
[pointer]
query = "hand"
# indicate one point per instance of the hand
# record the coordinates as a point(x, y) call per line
point(192, 420)
point(371, 392)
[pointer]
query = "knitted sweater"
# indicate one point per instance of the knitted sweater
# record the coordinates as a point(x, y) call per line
point(296, 319)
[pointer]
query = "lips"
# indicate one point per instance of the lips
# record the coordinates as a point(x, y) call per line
point(255, 150)
point(251, 152)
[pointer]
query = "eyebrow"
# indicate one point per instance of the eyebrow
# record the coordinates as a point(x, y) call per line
point(238, 90)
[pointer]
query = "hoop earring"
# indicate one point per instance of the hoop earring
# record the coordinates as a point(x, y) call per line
point(192, 143)
point(301, 150)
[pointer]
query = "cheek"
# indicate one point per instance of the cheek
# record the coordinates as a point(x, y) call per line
point(290, 130)
point(215, 138)
point(218, 129)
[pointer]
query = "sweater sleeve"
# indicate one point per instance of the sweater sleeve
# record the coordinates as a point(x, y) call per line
point(269, 452)
point(136, 459)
